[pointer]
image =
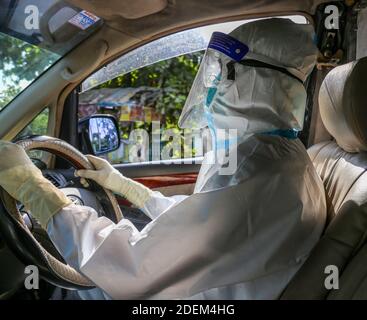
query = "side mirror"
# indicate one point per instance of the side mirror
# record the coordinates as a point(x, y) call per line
point(100, 134)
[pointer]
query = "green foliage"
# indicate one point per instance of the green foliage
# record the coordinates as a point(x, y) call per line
point(7, 94)
point(20, 63)
point(174, 78)
point(38, 125)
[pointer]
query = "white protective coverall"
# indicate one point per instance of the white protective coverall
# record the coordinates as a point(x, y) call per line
point(239, 236)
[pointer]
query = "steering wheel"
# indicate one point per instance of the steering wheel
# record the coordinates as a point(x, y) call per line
point(19, 238)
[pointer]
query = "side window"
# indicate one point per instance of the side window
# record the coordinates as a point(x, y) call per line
point(146, 102)
point(146, 90)
point(38, 126)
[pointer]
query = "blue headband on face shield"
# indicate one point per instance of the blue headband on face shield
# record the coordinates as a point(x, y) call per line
point(231, 47)
point(289, 134)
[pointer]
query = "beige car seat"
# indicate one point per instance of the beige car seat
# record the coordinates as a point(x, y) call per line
point(342, 165)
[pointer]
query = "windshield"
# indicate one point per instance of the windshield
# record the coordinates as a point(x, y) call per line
point(34, 34)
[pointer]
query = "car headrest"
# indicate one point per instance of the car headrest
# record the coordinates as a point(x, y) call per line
point(343, 105)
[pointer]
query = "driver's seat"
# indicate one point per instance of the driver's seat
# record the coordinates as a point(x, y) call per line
point(342, 166)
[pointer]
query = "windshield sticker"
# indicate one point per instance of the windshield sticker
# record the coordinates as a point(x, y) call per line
point(84, 20)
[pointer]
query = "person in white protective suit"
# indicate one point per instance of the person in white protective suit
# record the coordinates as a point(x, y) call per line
point(241, 235)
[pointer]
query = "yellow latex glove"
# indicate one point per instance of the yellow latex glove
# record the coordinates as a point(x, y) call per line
point(109, 178)
point(25, 183)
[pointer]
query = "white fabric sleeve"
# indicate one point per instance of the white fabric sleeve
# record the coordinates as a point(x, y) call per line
point(158, 203)
point(155, 206)
point(77, 231)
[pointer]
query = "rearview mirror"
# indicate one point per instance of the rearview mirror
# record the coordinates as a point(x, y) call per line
point(100, 134)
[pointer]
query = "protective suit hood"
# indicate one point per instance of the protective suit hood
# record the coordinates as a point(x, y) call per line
point(255, 99)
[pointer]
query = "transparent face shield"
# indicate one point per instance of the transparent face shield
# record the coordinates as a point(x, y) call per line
point(222, 49)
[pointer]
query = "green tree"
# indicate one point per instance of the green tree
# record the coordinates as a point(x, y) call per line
point(173, 78)
point(38, 125)
point(20, 63)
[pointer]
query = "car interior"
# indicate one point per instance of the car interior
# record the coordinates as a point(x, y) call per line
point(334, 134)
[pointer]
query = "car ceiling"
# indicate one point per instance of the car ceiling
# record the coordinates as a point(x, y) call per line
point(142, 18)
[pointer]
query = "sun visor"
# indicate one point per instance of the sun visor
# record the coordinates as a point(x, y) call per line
point(125, 8)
